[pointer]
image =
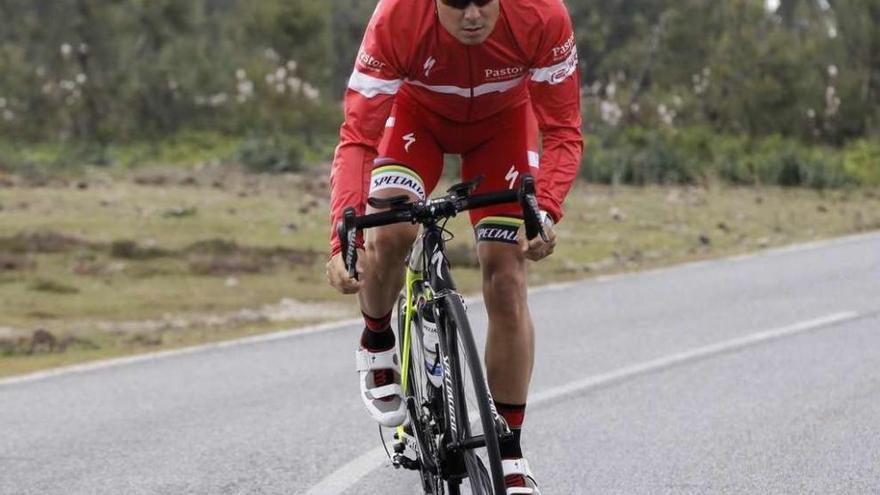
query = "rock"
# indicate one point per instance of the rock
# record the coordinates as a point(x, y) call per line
point(67, 341)
point(617, 214)
point(8, 346)
point(149, 339)
point(705, 240)
point(89, 268)
point(14, 262)
point(42, 341)
point(151, 180)
point(179, 212)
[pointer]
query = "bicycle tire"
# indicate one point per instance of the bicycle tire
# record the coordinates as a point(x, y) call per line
point(432, 483)
point(456, 314)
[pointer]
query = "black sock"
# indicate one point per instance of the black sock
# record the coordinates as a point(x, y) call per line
point(509, 447)
point(376, 341)
point(514, 414)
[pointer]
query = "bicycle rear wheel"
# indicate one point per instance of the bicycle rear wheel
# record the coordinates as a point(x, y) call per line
point(420, 394)
point(485, 475)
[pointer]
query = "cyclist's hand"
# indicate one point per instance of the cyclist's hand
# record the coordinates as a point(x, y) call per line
point(338, 277)
point(536, 249)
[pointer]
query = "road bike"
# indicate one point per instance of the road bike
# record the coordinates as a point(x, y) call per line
point(441, 370)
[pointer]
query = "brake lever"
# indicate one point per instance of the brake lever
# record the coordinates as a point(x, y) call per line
point(347, 233)
point(531, 210)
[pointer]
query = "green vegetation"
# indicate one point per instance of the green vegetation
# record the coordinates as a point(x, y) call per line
point(675, 91)
point(700, 156)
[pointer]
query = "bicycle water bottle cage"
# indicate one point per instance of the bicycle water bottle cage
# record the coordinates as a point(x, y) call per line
point(464, 189)
point(395, 203)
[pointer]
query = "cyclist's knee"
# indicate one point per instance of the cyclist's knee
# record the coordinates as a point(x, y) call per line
point(504, 275)
point(507, 283)
point(390, 243)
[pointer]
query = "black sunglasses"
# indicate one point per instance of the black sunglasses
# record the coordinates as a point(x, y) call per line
point(461, 4)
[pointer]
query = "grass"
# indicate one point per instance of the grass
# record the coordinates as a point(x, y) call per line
point(110, 263)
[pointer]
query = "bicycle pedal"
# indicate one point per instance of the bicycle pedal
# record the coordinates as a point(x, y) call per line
point(399, 446)
point(402, 461)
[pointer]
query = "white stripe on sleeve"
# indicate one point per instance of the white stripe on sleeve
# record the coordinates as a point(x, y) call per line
point(555, 74)
point(370, 86)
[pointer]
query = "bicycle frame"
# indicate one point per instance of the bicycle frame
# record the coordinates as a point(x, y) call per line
point(440, 282)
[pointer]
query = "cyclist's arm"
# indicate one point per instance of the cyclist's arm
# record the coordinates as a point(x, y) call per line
point(555, 94)
point(368, 99)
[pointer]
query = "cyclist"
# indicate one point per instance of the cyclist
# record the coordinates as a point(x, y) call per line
point(478, 78)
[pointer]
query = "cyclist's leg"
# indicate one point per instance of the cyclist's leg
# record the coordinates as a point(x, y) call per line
point(511, 338)
point(409, 163)
point(510, 346)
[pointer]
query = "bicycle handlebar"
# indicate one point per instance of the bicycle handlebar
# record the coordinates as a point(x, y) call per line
point(432, 210)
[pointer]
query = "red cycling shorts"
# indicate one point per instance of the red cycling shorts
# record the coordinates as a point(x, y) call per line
point(500, 149)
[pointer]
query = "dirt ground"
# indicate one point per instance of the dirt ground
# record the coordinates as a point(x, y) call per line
point(108, 264)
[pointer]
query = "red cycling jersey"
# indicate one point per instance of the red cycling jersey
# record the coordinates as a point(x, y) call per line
point(529, 56)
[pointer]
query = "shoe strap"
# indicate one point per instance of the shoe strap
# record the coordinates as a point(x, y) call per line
point(516, 466)
point(372, 361)
point(520, 467)
point(392, 390)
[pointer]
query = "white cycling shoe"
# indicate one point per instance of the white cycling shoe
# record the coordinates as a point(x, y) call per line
point(517, 472)
point(384, 400)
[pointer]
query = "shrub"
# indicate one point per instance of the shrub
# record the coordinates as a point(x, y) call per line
point(641, 156)
point(272, 154)
point(861, 160)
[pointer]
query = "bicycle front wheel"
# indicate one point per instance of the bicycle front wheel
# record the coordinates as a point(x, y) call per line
point(485, 476)
point(418, 391)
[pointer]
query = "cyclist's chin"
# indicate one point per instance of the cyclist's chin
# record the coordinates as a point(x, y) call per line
point(472, 37)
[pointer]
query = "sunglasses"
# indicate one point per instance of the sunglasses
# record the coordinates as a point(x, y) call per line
point(462, 4)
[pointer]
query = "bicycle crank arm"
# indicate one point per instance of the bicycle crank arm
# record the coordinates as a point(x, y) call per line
point(421, 441)
point(474, 442)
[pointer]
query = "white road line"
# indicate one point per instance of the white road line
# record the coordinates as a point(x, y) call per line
point(350, 473)
point(692, 355)
point(330, 326)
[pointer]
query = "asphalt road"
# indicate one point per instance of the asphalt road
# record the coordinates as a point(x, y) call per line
point(751, 375)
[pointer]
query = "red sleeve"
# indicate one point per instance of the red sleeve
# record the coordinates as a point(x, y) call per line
point(555, 94)
point(368, 98)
